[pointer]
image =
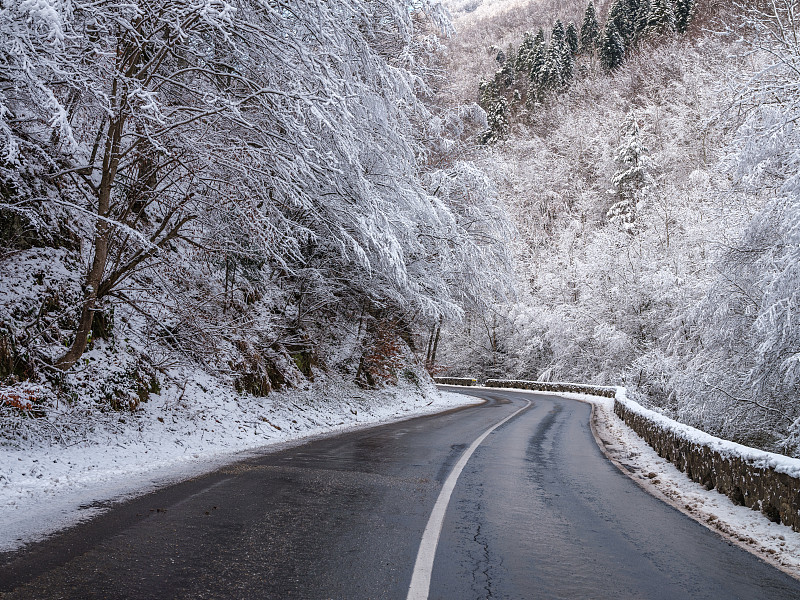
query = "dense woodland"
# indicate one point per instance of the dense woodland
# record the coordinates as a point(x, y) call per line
point(265, 192)
point(277, 193)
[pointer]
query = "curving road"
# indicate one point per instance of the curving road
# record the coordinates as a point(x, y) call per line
point(537, 512)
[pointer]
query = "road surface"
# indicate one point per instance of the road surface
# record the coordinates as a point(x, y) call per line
point(537, 511)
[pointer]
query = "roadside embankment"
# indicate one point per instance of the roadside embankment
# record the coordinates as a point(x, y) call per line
point(180, 433)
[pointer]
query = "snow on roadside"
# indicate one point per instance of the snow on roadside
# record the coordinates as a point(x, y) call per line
point(180, 433)
point(777, 544)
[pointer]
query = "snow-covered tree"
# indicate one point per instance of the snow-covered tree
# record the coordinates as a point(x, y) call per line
point(590, 29)
point(661, 18)
point(611, 48)
point(567, 65)
point(554, 70)
point(507, 73)
point(497, 120)
point(558, 35)
point(630, 178)
point(642, 17)
point(684, 11)
point(538, 58)
point(526, 52)
point(297, 120)
point(743, 341)
point(621, 15)
point(571, 37)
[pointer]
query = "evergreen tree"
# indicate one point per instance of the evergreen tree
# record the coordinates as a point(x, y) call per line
point(630, 155)
point(567, 65)
point(486, 94)
point(526, 52)
point(538, 60)
point(590, 29)
point(558, 35)
point(550, 77)
point(632, 10)
point(631, 177)
point(572, 38)
point(511, 56)
point(642, 17)
point(684, 11)
point(493, 101)
point(620, 15)
point(611, 48)
point(506, 75)
point(661, 19)
point(568, 53)
point(552, 73)
point(497, 120)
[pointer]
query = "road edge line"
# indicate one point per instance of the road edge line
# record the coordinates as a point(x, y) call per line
point(420, 584)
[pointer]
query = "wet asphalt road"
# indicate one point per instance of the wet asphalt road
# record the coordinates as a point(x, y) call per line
point(538, 512)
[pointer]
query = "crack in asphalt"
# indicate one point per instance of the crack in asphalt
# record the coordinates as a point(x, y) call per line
point(488, 577)
point(482, 563)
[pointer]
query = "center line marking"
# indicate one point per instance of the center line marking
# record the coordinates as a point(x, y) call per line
point(423, 567)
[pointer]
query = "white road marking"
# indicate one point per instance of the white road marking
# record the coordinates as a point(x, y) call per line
point(423, 567)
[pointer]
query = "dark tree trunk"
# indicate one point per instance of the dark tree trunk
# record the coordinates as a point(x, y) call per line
point(430, 348)
point(101, 238)
point(435, 344)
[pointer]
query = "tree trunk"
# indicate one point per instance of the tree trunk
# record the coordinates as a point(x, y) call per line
point(430, 348)
point(93, 280)
point(101, 238)
point(227, 277)
point(435, 344)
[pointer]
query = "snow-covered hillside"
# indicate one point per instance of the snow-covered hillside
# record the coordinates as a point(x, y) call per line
point(89, 461)
point(657, 208)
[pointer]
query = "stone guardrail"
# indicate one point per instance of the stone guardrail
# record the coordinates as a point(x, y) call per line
point(552, 386)
point(455, 380)
point(760, 480)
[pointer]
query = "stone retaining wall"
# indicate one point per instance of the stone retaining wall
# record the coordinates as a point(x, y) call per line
point(455, 381)
point(749, 477)
point(549, 386)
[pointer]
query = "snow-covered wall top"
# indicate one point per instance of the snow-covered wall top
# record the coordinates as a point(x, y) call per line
point(553, 386)
point(753, 456)
point(762, 481)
